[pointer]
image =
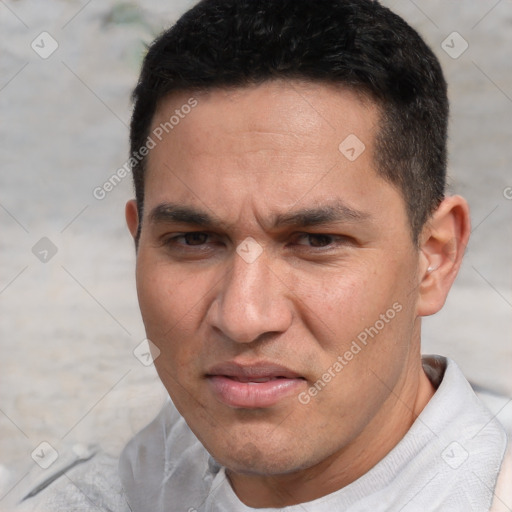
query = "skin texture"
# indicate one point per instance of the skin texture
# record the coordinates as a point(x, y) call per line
point(246, 158)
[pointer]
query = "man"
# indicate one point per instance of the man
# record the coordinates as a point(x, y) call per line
point(289, 160)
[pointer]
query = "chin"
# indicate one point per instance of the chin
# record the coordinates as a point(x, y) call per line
point(260, 458)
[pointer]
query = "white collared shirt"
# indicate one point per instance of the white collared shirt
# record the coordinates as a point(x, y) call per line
point(450, 460)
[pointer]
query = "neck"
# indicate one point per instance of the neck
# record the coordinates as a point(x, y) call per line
point(381, 435)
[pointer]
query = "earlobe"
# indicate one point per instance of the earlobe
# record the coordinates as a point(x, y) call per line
point(132, 217)
point(443, 243)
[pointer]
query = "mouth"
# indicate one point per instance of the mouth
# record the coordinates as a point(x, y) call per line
point(254, 380)
point(253, 386)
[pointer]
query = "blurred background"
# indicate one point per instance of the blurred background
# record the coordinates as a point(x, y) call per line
point(72, 367)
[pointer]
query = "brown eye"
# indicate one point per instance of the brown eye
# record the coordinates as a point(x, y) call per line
point(315, 240)
point(195, 238)
point(320, 240)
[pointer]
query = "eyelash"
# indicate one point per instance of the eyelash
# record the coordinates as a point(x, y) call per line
point(191, 233)
point(335, 240)
point(178, 243)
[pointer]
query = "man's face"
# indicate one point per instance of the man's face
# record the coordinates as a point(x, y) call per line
point(247, 326)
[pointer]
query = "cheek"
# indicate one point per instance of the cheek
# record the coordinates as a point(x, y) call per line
point(169, 301)
point(338, 304)
point(359, 325)
point(361, 314)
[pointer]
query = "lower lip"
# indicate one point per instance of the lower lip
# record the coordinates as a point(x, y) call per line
point(251, 395)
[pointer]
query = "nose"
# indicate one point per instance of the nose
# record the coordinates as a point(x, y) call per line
point(251, 301)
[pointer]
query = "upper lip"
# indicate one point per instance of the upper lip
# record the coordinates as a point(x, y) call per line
point(257, 370)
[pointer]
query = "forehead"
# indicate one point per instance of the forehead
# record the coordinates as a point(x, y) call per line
point(302, 112)
point(266, 148)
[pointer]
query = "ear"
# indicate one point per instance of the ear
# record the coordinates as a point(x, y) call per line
point(443, 242)
point(132, 217)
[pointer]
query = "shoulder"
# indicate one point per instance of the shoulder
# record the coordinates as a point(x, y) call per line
point(88, 479)
point(164, 462)
point(501, 407)
point(75, 482)
point(502, 501)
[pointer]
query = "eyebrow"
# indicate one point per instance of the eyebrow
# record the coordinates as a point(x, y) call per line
point(335, 212)
point(170, 212)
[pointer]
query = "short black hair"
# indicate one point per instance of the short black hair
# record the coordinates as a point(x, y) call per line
point(358, 44)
